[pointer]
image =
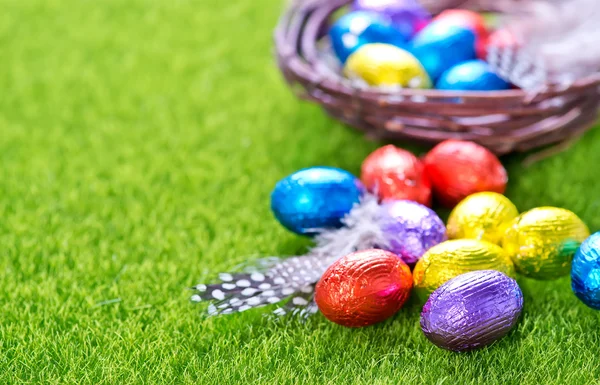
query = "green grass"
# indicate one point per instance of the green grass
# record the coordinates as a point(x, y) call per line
point(139, 143)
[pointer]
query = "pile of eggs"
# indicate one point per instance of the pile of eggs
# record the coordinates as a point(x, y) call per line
point(465, 269)
point(397, 43)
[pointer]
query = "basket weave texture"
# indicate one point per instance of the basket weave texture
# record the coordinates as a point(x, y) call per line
point(503, 121)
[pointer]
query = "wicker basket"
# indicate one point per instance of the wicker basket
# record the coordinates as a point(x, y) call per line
point(503, 121)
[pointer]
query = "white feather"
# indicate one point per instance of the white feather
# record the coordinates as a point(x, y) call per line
point(558, 39)
point(272, 280)
point(361, 231)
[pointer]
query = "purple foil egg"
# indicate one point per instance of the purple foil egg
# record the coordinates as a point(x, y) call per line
point(410, 229)
point(472, 310)
point(406, 15)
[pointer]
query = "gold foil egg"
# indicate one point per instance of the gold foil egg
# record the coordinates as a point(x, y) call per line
point(484, 216)
point(386, 65)
point(541, 242)
point(452, 258)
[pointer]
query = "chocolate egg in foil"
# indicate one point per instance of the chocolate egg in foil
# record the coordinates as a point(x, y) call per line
point(355, 29)
point(472, 75)
point(440, 46)
point(452, 258)
point(585, 272)
point(408, 16)
point(410, 229)
point(472, 310)
point(500, 39)
point(458, 168)
point(484, 216)
point(363, 288)
point(466, 19)
point(393, 174)
point(542, 241)
point(386, 65)
point(311, 200)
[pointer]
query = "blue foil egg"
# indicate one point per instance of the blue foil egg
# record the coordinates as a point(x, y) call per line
point(440, 46)
point(313, 199)
point(472, 75)
point(585, 272)
point(355, 29)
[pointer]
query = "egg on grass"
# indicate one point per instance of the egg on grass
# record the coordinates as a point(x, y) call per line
point(314, 199)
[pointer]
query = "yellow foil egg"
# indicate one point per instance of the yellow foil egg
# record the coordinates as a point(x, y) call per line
point(452, 258)
point(386, 65)
point(541, 242)
point(484, 216)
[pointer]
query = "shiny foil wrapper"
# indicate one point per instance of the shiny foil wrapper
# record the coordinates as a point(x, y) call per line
point(542, 241)
point(315, 199)
point(386, 65)
point(585, 272)
point(484, 216)
point(395, 174)
point(472, 75)
point(501, 39)
point(465, 18)
point(410, 229)
point(458, 169)
point(440, 46)
point(355, 29)
point(453, 258)
point(363, 288)
point(472, 310)
point(408, 16)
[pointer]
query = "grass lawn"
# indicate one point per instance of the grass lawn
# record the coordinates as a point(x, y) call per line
point(139, 142)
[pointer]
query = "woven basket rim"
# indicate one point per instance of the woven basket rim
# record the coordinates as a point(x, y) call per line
point(503, 121)
point(341, 85)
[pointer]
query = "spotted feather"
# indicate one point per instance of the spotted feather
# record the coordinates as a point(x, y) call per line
point(273, 280)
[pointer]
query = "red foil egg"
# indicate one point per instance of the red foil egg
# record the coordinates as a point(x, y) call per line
point(396, 174)
point(458, 169)
point(467, 19)
point(363, 288)
point(501, 38)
